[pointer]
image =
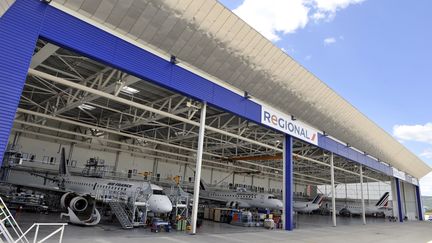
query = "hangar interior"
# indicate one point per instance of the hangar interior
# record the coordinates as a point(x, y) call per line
point(127, 128)
point(142, 130)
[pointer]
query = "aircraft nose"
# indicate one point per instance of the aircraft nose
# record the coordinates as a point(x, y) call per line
point(165, 206)
point(280, 205)
point(160, 204)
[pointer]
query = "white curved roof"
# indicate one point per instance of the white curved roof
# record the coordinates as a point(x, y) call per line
point(211, 38)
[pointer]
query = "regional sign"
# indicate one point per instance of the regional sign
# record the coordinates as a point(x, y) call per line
point(284, 123)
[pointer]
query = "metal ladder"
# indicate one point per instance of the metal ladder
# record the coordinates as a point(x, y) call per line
point(121, 214)
point(6, 219)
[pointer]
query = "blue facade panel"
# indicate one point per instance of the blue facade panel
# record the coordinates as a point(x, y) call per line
point(17, 39)
point(190, 83)
point(351, 154)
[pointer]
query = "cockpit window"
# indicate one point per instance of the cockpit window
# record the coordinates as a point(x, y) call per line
point(271, 197)
point(158, 192)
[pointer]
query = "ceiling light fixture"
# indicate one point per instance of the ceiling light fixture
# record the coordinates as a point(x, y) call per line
point(129, 90)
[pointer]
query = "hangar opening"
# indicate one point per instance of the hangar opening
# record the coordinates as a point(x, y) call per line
point(118, 131)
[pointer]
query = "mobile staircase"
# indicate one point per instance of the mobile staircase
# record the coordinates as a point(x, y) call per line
point(129, 209)
point(14, 234)
point(119, 211)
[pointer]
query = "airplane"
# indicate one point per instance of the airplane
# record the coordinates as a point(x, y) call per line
point(308, 207)
point(380, 208)
point(241, 198)
point(81, 193)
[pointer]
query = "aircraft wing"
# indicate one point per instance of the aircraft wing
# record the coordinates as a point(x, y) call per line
point(40, 188)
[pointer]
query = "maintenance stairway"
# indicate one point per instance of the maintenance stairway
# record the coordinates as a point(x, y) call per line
point(119, 210)
point(15, 234)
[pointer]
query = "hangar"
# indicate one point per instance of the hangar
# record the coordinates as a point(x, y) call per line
point(186, 89)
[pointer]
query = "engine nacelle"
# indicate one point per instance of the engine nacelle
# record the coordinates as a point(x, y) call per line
point(78, 204)
point(75, 202)
point(81, 209)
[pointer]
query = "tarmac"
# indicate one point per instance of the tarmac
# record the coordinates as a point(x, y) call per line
point(310, 228)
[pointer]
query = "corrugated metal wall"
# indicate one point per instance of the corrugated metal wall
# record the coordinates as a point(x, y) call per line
point(19, 28)
point(410, 202)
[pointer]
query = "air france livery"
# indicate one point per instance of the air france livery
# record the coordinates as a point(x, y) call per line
point(242, 198)
point(380, 208)
point(308, 207)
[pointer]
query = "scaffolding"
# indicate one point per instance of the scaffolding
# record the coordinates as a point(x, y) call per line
point(130, 209)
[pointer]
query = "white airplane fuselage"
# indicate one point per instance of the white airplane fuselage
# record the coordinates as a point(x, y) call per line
point(158, 202)
point(308, 207)
point(305, 207)
point(244, 199)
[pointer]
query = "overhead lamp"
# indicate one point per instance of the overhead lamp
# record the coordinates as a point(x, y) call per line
point(86, 107)
point(293, 118)
point(247, 95)
point(324, 134)
point(173, 59)
point(129, 90)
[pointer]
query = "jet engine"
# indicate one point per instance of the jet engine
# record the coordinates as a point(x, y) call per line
point(75, 202)
point(81, 209)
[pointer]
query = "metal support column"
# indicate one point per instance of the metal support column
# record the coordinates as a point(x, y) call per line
point(346, 193)
point(399, 201)
point(419, 203)
point(185, 172)
point(333, 189)
point(116, 161)
point(287, 216)
point(198, 167)
point(362, 197)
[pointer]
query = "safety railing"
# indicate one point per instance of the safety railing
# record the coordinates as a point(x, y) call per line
point(60, 230)
point(7, 219)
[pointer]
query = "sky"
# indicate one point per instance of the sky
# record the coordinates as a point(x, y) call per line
point(376, 54)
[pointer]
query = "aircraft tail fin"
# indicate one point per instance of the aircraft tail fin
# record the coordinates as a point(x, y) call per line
point(63, 166)
point(383, 201)
point(318, 199)
point(203, 186)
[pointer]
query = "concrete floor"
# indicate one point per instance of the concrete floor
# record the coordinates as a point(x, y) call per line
point(310, 228)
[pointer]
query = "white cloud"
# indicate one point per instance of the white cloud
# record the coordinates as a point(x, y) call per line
point(275, 17)
point(427, 153)
point(308, 57)
point(426, 185)
point(329, 41)
point(334, 5)
point(418, 133)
